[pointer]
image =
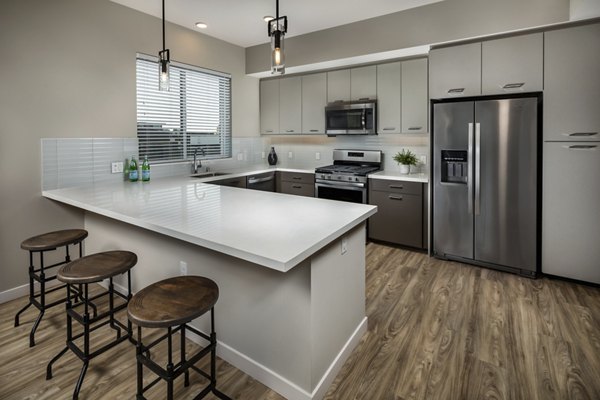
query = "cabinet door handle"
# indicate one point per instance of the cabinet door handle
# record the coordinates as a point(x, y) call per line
point(363, 98)
point(289, 130)
point(296, 177)
point(314, 130)
point(393, 128)
point(297, 186)
point(391, 197)
point(583, 134)
point(269, 130)
point(456, 90)
point(516, 85)
point(582, 147)
point(415, 128)
point(396, 187)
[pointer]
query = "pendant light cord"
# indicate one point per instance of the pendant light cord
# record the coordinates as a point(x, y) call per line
point(276, 11)
point(163, 23)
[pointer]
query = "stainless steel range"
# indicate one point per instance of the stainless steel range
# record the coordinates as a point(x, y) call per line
point(346, 179)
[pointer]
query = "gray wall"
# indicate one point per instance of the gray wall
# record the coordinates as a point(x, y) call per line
point(68, 70)
point(433, 23)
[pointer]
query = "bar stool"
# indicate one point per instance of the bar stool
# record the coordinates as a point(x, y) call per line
point(41, 244)
point(172, 303)
point(91, 269)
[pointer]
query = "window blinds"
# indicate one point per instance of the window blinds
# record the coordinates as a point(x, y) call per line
point(194, 115)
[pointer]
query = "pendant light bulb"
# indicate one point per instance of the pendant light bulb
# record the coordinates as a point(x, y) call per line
point(163, 72)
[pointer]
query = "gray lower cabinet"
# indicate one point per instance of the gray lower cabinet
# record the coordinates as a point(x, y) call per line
point(298, 183)
point(570, 212)
point(239, 182)
point(399, 217)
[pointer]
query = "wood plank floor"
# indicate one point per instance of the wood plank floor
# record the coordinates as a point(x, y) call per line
point(437, 330)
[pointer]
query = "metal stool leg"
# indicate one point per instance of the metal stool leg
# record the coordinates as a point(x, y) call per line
point(30, 290)
point(213, 358)
point(182, 350)
point(140, 367)
point(170, 364)
point(80, 380)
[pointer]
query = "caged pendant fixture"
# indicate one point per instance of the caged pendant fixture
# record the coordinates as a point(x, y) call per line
point(164, 58)
point(277, 29)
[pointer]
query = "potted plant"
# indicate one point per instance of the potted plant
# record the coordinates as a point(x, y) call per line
point(405, 159)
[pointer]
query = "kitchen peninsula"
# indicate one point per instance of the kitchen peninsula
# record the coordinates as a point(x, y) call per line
point(291, 269)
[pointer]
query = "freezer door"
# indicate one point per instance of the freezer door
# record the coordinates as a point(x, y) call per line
point(506, 134)
point(452, 201)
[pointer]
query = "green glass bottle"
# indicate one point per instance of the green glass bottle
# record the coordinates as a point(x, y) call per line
point(133, 170)
point(145, 170)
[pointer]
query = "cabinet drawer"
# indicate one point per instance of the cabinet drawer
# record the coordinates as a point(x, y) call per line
point(398, 218)
point(387, 185)
point(300, 189)
point(297, 177)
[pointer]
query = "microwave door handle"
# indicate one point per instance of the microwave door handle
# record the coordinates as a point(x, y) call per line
point(364, 119)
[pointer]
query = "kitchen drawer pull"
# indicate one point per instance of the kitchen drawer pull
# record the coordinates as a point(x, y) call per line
point(363, 98)
point(582, 147)
point(296, 177)
point(513, 85)
point(314, 130)
point(396, 187)
point(289, 130)
point(297, 186)
point(269, 130)
point(583, 134)
point(415, 128)
point(456, 90)
point(390, 129)
point(391, 197)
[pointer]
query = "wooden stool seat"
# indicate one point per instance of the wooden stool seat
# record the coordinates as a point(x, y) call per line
point(173, 301)
point(52, 240)
point(96, 267)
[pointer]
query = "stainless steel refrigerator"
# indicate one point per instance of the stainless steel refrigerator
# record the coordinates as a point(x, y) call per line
point(485, 190)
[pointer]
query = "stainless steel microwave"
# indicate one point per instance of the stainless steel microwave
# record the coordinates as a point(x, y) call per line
point(351, 118)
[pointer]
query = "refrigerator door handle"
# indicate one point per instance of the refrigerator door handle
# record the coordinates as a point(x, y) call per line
point(470, 171)
point(477, 168)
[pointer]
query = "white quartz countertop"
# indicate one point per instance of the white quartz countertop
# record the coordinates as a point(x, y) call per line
point(275, 230)
point(397, 176)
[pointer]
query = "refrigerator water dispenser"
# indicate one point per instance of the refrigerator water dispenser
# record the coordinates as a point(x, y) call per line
point(454, 166)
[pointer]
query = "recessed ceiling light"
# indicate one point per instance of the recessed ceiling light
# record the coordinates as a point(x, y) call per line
point(201, 25)
point(267, 18)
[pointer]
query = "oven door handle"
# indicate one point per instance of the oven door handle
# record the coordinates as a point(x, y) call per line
point(342, 185)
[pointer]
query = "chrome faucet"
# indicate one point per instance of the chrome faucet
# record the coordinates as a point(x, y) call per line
point(197, 163)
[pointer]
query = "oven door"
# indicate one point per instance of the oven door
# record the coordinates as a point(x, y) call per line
point(343, 191)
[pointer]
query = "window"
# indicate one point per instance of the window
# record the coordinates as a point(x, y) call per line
point(195, 115)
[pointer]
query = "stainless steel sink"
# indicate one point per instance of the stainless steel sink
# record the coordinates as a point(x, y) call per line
point(208, 174)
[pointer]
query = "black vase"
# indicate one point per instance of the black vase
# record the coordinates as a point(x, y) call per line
point(272, 158)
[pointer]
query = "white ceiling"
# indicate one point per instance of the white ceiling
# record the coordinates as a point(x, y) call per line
point(240, 21)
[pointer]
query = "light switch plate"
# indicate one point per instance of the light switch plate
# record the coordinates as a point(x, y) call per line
point(240, 156)
point(317, 156)
point(116, 167)
point(423, 159)
point(262, 155)
point(290, 154)
point(344, 245)
point(183, 268)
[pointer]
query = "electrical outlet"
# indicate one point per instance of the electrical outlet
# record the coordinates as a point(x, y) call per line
point(423, 159)
point(317, 156)
point(183, 269)
point(240, 157)
point(290, 154)
point(344, 245)
point(262, 155)
point(116, 167)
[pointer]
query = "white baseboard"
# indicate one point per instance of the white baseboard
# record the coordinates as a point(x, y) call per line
point(278, 383)
point(22, 291)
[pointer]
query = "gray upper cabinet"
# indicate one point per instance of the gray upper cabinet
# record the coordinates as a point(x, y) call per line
point(338, 85)
point(269, 107)
point(414, 96)
point(314, 100)
point(513, 64)
point(290, 105)
point(572, 83)
point(455, 71)
point(363, 83)
point(388, 97)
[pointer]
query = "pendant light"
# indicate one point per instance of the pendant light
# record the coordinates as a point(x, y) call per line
point(164, 58)
point(277, 29)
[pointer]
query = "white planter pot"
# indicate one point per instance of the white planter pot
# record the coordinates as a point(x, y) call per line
point(404, 169)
